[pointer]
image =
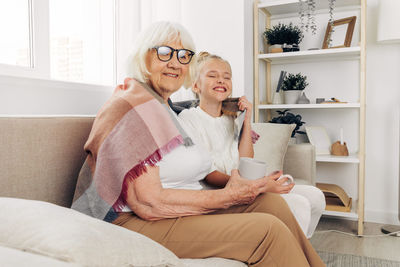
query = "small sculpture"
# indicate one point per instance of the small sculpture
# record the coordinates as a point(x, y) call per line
point(303, 99)
point(338, 149)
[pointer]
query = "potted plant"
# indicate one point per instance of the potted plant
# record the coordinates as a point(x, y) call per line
point(286, 117)
point(292, 86)
point(307, 14)
point(283, 37)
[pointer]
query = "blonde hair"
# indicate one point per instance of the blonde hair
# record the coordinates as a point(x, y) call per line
point(201, 59)
point(156, 34)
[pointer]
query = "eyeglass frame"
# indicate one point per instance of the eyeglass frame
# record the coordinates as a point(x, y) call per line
point(172, 54)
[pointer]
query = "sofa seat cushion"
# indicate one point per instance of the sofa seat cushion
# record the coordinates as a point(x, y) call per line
point(67, 235)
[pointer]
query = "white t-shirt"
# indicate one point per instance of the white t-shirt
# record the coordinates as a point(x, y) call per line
point(184, 167)
point(217, 136)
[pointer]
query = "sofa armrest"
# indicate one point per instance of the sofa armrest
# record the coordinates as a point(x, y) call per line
point(299, 162)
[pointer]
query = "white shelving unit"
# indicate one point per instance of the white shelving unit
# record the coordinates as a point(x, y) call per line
point(309, 106)
point(276, 9)
point(352, 158)
point(351, 215)
point(312, 55)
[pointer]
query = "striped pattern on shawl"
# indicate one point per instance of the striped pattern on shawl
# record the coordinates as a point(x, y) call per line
point(134, 128)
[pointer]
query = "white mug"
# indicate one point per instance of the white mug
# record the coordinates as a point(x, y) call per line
point(252, 168)
point(289, 181)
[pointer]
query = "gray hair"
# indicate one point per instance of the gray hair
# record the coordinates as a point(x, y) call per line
point(156, 34)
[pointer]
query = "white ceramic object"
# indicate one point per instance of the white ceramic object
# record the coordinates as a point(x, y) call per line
point(252, 169)
point(303, 99)
point(289, 179)
point(277, 98)
point(291, 96)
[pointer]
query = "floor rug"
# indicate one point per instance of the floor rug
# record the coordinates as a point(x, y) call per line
point(345, 260)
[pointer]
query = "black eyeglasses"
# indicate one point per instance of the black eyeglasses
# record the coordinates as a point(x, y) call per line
point(165, 53)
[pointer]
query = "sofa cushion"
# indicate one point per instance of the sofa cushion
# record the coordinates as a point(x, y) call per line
point(40, 157)
point(20, 258)
point(272, 145)
point(212, 262)
point(65, 234)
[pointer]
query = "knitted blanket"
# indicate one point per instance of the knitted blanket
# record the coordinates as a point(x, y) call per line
point(133, 129)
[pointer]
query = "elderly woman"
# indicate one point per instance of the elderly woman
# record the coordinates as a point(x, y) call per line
point(143, 171)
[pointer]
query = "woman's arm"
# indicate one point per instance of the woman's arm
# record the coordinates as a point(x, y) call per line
point(245, 142)
point(150, 201)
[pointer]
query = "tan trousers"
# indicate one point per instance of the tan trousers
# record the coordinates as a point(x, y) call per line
point(264, 233)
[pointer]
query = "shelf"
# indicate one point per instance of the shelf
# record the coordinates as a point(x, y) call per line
point(309, 106)
point(351, 215)
point(312, 55)
point(352, 158)
point(279, 7)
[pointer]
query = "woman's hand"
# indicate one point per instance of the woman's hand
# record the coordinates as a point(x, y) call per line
point(245, 104)
point(244, 191)
point(275, 186)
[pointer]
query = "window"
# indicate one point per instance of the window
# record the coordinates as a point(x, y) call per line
point(15, 33)
point(82, 40)
point(70, 40)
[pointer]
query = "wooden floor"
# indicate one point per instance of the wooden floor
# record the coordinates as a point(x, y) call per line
point(387, 247)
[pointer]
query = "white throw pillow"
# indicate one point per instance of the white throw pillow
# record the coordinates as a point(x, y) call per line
point(272, 145)
point(65, 234)
point(212, 262)
point(15, 257)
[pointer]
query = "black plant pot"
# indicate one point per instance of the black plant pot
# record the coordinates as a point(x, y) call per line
point(290, 47)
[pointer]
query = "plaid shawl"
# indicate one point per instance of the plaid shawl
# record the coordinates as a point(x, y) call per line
point(134, 128)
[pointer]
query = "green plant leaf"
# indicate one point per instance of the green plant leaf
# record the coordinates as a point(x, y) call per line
point(284, 34)
point(286, 117)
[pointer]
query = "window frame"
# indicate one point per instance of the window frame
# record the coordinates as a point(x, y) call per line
point(39, 45)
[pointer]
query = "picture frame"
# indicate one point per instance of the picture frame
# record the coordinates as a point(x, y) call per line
point(319, 139)
point(342, 33)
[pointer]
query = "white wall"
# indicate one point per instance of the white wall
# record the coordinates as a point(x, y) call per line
point(218, 27)
point(382, 127)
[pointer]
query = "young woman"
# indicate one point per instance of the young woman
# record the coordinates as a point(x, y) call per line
point(215, 130)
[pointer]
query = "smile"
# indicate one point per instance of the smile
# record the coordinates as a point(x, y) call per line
point(172, 75)
point(220, 89)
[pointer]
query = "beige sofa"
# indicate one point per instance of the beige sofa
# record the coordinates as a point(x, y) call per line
point(40, 158)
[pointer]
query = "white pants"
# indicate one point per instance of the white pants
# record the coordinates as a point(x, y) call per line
point(307, 203)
